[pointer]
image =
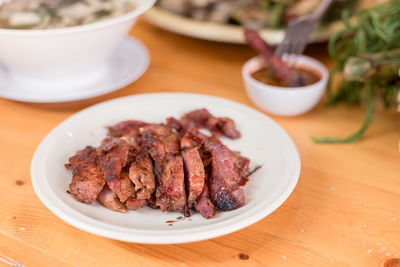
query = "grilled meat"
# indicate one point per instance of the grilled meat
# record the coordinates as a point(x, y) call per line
point(223, 126)
point(164, 147)
point(226, 193)
point(174, 124)
point(201, 118)
point(241, 164)
point(130, 131)
point(141, 174)
point(170, 192)
point(203, 203)
point(110, 200)
point(195, 174)
point(173, 167)
point(134, 204)
point(160, 134)
point(113, 155)
point(123, 186)
point(193, 138)
point(125, 128)
point(87, 180)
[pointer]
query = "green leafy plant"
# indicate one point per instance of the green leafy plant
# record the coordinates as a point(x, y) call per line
point(367, 53)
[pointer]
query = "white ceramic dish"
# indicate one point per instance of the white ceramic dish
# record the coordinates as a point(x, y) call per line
point(224, 32)
point(127, 64)
point(285, 101)
point(66, 53)
point(263, 141)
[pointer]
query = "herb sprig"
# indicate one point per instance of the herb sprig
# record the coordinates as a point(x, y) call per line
point(376, 33)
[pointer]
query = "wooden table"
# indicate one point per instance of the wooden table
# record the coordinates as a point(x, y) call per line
point(345, 210)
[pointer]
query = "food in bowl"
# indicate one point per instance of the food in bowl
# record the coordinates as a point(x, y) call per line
point(69, 55)
point(49, 14)
point(287, 86)
point(275, 71)
point(251, 13)
point(268, 76)
point(171, 167)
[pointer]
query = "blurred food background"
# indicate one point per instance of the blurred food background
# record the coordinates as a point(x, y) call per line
point(251, 13)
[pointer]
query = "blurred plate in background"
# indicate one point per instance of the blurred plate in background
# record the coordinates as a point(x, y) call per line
point(227, 33)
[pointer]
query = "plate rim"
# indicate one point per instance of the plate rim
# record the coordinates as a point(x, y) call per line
point(77, 96)
point(225, 33)
point(167, 239)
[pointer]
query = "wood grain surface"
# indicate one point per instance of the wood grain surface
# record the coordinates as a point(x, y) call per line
point(345, 210)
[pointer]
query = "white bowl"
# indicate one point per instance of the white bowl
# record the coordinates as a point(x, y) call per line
point(285, 101)
point(66, 53)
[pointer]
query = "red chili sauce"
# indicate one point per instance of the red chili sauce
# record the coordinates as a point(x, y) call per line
point(244, 181)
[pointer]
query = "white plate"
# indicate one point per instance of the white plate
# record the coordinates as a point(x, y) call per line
point(224, 32)
point(129, 62)
point(263, 141)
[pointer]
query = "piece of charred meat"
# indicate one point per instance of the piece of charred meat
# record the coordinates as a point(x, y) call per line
point(164, 139)
point(201, 118)
point(123, 186)
point(87, 179)
point(194, 168)
point(241, 164)
point(110, 200)
point(113, 155)
point(164, 147)
point(170, 193)
point(174, 124)
point(203, 203)
point(193, 138)
point(124, 128)
point(194, 141)
point(195, 174)
point(141, 174)
point(225, 191)
point(134, 204)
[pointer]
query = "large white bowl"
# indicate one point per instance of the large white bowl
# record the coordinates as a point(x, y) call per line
point(285, 101)
point(66, 53)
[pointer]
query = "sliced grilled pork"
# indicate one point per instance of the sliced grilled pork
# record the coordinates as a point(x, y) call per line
point(110, 200)
point(201, 118)
point(123, 186)
point(164, 147)
point(225, 191)
point(170, 193)
point(87, 180)
point(203, 203)
point(113, 155)
point(134, 204)
point(224, 178)
point(195, 174)
point(141, 174)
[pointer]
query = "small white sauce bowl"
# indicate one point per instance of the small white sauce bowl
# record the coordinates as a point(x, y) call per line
point(285, 101)
point(66, 53)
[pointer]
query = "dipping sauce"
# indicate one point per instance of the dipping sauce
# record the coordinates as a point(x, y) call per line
point(267, 76)
point(48, 14)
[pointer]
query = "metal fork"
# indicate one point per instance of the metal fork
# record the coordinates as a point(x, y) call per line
point(299, 31)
